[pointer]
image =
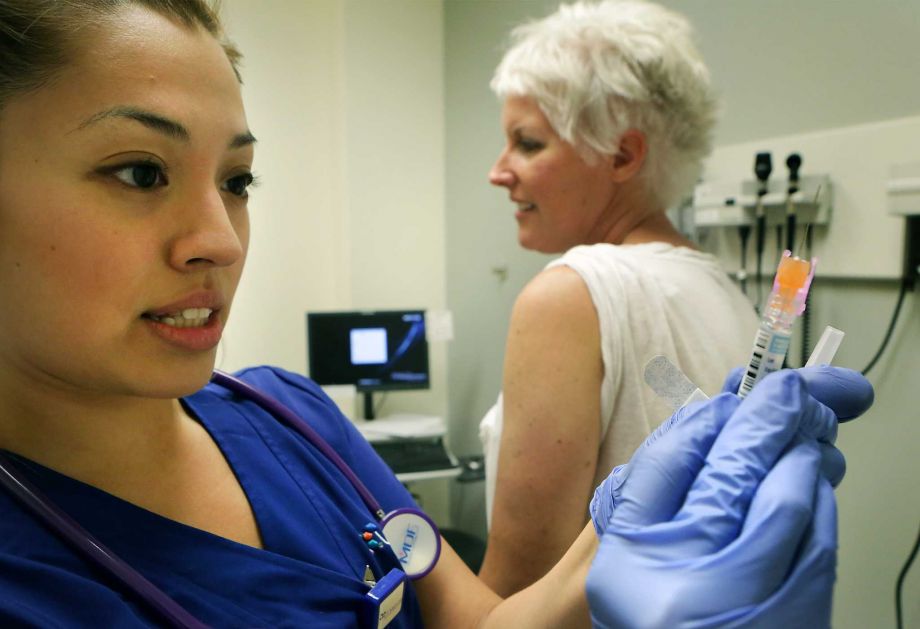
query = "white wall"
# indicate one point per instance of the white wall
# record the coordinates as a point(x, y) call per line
point(878, 501)
point(346, 99)
point(480, 227)
point(394, 164)
point(785, 66)
point(293, 86)
point(786, 70)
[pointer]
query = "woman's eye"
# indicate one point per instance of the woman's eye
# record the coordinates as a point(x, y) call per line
point(144, 176)
point(239, 185)
point(529, 146)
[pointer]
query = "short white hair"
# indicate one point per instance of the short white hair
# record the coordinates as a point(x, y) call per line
point(599, 69)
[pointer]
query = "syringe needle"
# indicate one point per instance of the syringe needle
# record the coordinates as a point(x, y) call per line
point(798, 253)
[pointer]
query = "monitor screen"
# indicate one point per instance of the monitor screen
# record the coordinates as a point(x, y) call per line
point(375, 351)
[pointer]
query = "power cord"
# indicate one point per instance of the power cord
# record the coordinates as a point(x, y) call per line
point(905, 284)
point(900, 584)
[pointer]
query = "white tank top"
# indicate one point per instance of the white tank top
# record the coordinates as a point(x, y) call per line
point(651, 299)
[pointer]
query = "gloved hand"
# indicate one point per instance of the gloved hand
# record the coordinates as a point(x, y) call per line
point(844, 391)
point(724, 518)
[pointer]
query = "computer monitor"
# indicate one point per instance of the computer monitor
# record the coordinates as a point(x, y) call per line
point(380, 350)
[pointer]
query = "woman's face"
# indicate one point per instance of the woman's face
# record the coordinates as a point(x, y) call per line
point(562, 201)
point(123, 219)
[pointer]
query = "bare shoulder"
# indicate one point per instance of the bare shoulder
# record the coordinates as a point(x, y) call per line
point(553, 319)
point(555, 293)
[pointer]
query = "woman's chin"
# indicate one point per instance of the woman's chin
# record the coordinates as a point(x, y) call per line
point(177, 381)
point(528, 242)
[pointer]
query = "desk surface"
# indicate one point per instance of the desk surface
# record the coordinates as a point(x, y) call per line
point(402, 426)
point(408, 477)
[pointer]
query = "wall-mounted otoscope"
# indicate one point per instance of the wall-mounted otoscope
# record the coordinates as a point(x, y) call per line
point(793, 163)
point(744, 232)
point(763, 166)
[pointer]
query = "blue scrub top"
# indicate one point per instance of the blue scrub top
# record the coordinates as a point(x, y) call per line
point(309, 574)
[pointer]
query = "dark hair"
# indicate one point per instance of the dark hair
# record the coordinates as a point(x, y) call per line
point(39, 37)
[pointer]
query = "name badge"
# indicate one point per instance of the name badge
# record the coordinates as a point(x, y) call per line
point(384, 601)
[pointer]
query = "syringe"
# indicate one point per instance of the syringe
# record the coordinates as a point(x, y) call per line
point(785, 303)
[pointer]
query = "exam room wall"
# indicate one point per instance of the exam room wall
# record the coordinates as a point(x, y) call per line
point(293, 90)
point(782, 68)
point(346, 99)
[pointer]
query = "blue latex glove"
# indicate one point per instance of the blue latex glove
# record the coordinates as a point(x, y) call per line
point(725, 518)
point(844, 391)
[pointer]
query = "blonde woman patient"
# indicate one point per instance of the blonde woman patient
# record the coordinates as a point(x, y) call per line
point(607, 114)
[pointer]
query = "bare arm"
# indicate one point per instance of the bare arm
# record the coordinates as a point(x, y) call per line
point(549, 445)
point(452, 596)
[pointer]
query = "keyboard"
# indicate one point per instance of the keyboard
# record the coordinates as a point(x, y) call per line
point(414, 455)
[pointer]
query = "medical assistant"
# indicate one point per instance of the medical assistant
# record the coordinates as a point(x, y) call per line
point(309, 574)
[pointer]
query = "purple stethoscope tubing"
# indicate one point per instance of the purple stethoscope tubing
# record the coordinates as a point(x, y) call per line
point(289, 417)
point(85, 544)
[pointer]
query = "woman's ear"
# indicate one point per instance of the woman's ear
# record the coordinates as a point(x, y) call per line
point(630, 155)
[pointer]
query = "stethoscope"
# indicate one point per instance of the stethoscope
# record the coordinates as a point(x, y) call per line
point(416, 543)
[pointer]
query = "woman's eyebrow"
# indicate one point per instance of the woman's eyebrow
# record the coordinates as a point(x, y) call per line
point(243, 139)
point(149, 119)
point(159, 123)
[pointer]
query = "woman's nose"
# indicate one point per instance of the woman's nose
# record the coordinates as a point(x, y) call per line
point(209, 236)
point(500, 174)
